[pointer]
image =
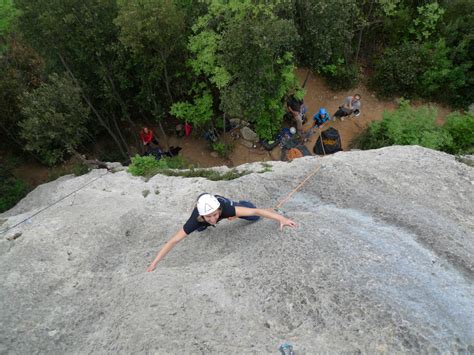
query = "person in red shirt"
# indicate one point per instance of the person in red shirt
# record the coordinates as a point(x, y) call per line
point(147, 137)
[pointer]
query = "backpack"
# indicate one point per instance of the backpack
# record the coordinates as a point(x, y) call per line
point(331, 142)
point(297, 152)
point(293, 153)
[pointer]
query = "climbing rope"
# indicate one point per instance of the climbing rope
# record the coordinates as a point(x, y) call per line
point(54, 203)
point(300, 185)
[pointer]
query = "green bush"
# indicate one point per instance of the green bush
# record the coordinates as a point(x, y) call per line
point(419, 70)
point(340, 76)
point(397, 71)
point(405, 126)
point(149, 166)
point(461, 129)
point(54, 119)
point(80, 169)
point(206, 173)
point(12, 189)
point(222, 149)
point(143, 166)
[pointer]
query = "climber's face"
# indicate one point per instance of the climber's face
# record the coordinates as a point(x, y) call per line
point(213, 217)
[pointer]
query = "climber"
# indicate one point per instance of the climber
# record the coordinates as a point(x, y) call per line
point(210, 210)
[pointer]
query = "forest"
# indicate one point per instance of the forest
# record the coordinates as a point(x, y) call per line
point(74, 74)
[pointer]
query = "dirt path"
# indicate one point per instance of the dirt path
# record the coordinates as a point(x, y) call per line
point(317, 95)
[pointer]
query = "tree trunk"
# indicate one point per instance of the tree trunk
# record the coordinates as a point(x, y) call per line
point(359, 42)
point(307, 77)
point(161, 126)
point(167, 80)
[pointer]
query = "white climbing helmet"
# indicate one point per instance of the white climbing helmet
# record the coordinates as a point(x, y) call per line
point(207, 204)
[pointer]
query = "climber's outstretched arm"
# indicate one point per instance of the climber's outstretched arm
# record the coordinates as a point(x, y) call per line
point(179, 236)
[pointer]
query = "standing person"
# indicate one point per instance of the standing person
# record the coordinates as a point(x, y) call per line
point(320, 118)
point(209, 211)
point(297, 110)
point(147, 137)
point(351, 105)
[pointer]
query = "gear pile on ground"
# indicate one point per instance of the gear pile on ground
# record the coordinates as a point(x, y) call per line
point(382, 261)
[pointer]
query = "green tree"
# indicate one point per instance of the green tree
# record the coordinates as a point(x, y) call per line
point(424, 25)
point(458, 30)
point(7, 17)
point(461, 129)
point(244, 53)
point(198, 113)
point(21, 70)
point(55, 119)
point(328, 30)
point(405, 126)
point(156, 33)
point(81, 38)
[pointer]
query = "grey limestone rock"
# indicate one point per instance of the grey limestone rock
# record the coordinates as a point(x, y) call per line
point(381, 261)
point(248, 134)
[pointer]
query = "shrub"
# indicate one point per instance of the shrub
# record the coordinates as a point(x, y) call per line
point(55, 119)
point(149, 166)
point(340, 76)
point(419, 70)
point(143, 166)
point(12, 189)
point(397, 70)
point(222, 149)
point(461, 129)
point(80, 169)
point(205, 173)
point(405, 126)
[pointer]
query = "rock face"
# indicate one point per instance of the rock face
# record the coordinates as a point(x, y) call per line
point(382, 261)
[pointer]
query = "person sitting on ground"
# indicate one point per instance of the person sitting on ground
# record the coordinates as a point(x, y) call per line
point(147, 137)
point(298, 119)
point(351, 106)
point(158, 153)
point(209, 210)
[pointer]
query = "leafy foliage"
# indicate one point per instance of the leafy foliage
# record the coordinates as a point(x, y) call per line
point(206, 173)
point(199, 113)
point(7, 16)
point(326, 29)
point(55, 119)
point(461, 129)
point(142, 166)
point(423, 70)
point(222, 149)
point(405, 126)
point(155, 31)
point(149, 165)
point(12, 189)
point(20, 70)
point(244, 51)
point(340, 76)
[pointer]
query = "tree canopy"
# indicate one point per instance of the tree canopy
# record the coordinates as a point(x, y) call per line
point(130, 62)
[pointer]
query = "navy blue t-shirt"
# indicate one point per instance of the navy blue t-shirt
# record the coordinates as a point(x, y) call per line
point(227, 210)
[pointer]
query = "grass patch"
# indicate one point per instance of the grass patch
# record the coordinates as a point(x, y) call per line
point(208, 174)
point(148, 166)
point(266, 168)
